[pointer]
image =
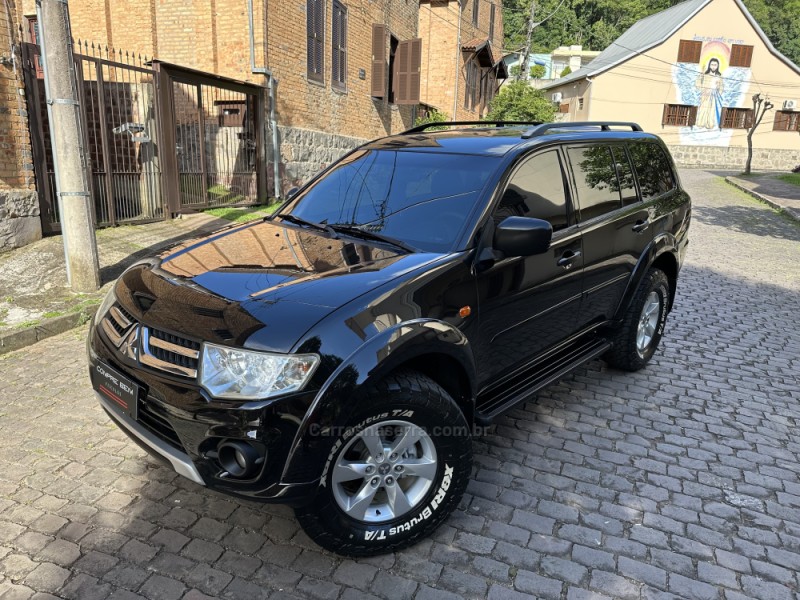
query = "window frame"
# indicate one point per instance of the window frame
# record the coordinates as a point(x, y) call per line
point(578, 207)
point(690, 115)
point(491, 20)
point(339, 54)
point(733, 122)
point(689, 51)
point(790, 116)
point(315, 39)
point(565, 182)
point(741, 55)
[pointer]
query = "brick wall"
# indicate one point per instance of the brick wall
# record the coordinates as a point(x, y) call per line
point(212, 36)
point(442, 58)
point(19, 206)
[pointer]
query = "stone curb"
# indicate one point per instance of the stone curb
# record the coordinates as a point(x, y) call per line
point(792, 213)
point(14, 340)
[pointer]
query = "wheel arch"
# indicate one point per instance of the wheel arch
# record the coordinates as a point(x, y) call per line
point(661, 253)
point(435, 348)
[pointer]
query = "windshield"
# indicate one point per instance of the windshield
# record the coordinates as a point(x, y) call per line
point(422, 199)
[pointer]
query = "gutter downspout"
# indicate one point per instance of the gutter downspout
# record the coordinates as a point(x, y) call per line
point(272, 85)
point(458, 59)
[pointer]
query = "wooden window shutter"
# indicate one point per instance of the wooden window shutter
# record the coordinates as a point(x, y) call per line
point(741, 56)
point(692, 116)
point(749, 117)
point(409, 62)
point(315, 29)
point(339, 45)
point(378, 71)
point(665, 115)
point(689, 51)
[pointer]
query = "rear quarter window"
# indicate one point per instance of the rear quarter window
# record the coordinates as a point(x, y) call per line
point(653, 169)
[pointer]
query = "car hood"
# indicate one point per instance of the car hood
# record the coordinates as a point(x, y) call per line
point(260, 285)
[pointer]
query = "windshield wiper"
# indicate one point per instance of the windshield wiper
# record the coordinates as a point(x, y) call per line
point(357, 231)
point(301, 221)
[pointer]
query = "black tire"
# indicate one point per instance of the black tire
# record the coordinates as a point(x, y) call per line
point(403, 397)
point(626, 354)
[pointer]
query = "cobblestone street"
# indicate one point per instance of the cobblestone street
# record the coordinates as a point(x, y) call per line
point(679, 481)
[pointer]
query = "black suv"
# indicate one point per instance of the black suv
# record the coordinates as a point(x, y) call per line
point(338, 355)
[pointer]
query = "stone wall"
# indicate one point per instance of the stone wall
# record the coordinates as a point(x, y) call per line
point(19, 218)
point(720, 157)
point(305, 152)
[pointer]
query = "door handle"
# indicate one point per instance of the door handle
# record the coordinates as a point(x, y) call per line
point(567, 258)
point(641, 225)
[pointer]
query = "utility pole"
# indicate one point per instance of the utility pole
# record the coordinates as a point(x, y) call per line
point(69, 154)
point(524, 70)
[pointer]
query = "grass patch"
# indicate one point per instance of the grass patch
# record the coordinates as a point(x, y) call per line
point(793, 178)
point(52, 313)
point(27, 324)
point(242, 214)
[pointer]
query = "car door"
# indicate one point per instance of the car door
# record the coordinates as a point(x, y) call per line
point(615, 225)
point(528, 304)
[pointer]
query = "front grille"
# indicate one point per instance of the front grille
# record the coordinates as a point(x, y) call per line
point(117, 323)
point(158, 426)
point(169, 352)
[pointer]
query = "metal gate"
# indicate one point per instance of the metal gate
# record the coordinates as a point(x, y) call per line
point(120, 125)
point(217, 131)
point(160, 139)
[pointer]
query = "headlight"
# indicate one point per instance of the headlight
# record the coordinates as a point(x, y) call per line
point(246, 375)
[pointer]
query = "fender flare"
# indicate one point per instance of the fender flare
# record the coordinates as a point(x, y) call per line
point(371, 361)
point(664, 243)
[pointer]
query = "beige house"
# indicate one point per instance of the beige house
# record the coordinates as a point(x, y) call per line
point(689, 74)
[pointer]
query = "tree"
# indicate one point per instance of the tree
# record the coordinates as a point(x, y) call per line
point(538, 71)
point(567, 70)
point(760, 108)
point(433, 116)
point(518, 101)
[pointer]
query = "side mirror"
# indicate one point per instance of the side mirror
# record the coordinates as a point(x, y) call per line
point(292, 192)
point(522, 236)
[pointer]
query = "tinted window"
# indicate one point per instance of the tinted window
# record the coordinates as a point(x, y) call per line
point(420, 198)
point(627, 188)
point(596, 180)
point(536, 190)
point(652, 169)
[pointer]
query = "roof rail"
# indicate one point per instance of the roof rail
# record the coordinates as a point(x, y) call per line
point(420, 128)
point(603, 125)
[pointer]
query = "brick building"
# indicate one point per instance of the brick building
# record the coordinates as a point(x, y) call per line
point(461, 55)
point(19, 207)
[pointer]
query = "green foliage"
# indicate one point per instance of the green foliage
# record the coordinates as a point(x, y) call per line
point(518, 101)
point(596, 23)
point(434, 116)
point(538, 71)
point(566, 71)
point(793, 178)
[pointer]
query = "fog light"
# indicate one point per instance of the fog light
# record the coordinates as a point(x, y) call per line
point(238, 458)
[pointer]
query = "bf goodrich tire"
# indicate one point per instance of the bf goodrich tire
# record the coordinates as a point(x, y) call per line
point(395, 473)
point(643, 326)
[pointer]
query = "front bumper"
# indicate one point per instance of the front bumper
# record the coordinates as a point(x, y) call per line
point(178, 423)
point(180, 461)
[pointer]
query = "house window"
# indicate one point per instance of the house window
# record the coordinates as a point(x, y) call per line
point(491, 21)
point(473, 90)
point(580, 103)
point(736, 118)
point(679, 114)
point(786, 120)
point(741, 56)
point(339, 46)
point(315, 30)
point(33, 36)
point(475, 11)
point(393, 44)
point(689, 51)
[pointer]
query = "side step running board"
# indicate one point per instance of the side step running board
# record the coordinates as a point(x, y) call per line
point(527, 382)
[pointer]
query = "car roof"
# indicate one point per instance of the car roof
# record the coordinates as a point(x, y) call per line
point(495, 140)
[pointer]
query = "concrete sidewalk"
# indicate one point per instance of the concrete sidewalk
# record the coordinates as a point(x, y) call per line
point(35, 301)
point(766, 187)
